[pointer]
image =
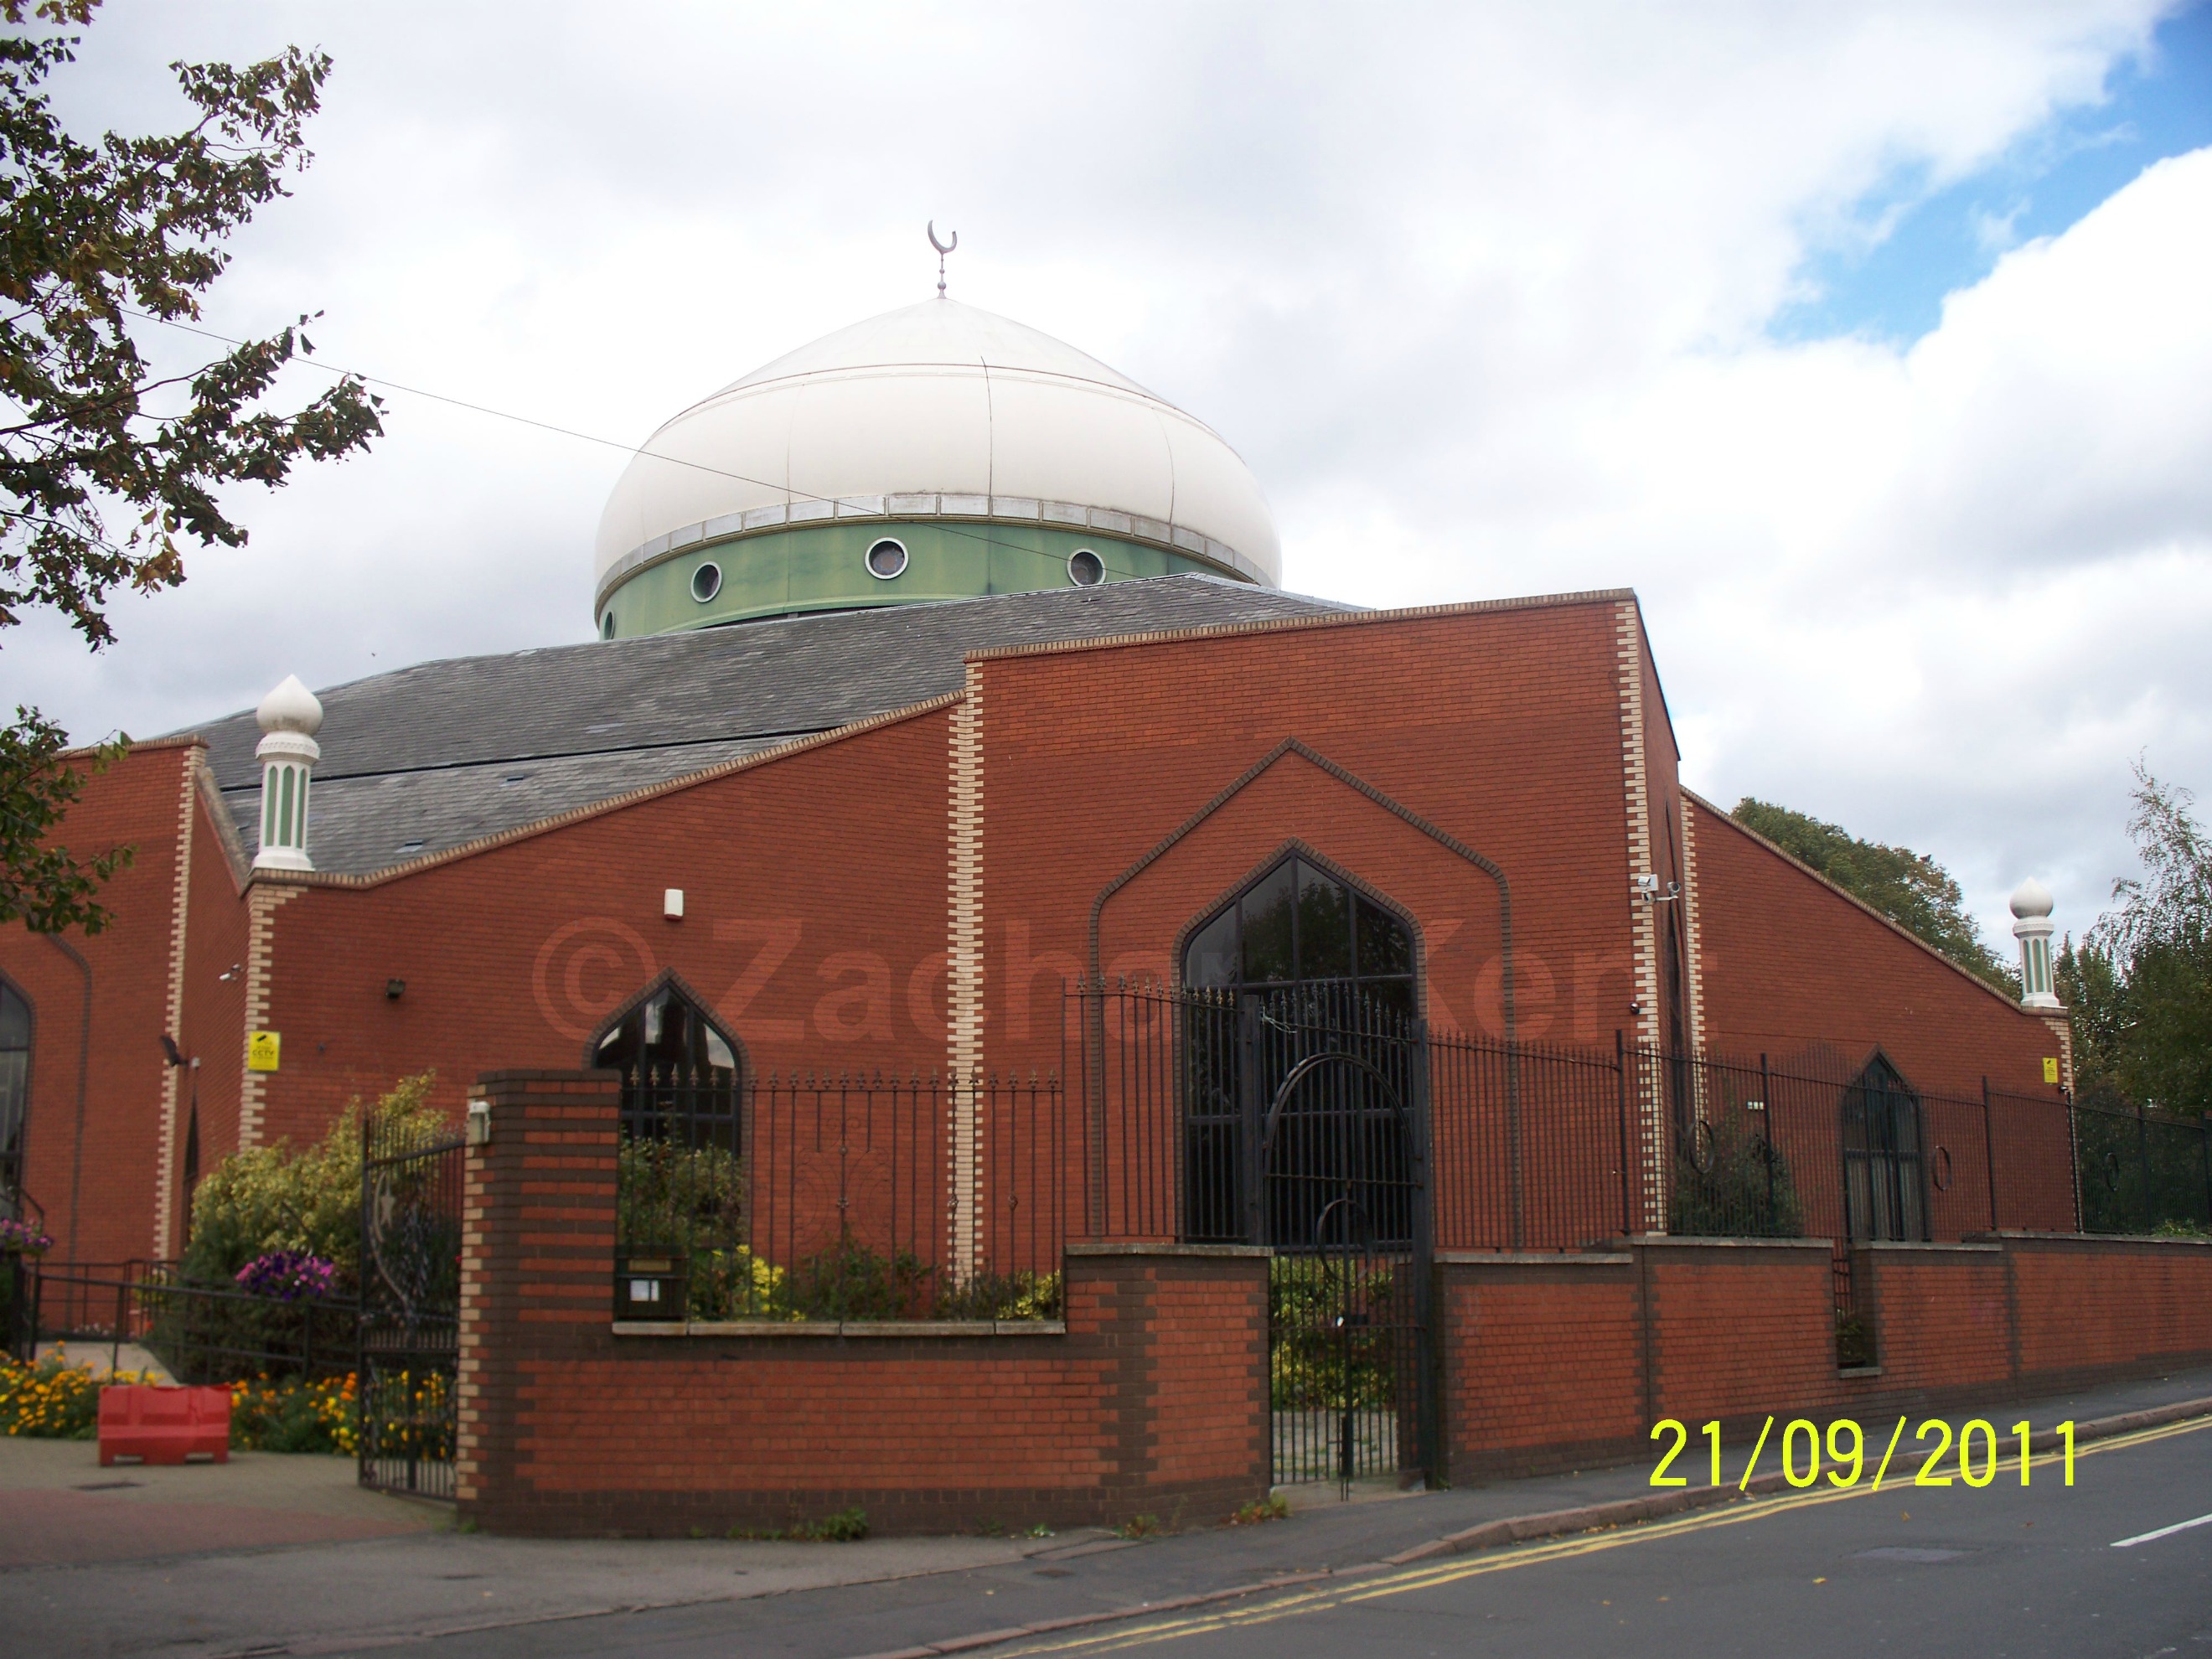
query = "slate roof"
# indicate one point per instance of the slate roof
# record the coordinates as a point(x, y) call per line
point(432, 756)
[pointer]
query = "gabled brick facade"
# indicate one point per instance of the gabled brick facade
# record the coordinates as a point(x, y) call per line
point(912, 893)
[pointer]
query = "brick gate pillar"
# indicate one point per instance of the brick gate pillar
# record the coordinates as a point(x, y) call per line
point(537, 1237)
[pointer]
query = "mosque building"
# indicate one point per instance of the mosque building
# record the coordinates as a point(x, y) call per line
point(938, 666)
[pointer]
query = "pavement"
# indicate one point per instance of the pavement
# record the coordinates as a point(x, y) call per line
point(275, 1554)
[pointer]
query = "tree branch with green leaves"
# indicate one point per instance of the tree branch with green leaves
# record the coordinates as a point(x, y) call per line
point(109, 467)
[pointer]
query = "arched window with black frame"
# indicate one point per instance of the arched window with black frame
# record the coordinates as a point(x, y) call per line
point(1883, 1164)
point(1298, 1066)
point(14, 1095)
point(680, 1074)
point(680, 1189)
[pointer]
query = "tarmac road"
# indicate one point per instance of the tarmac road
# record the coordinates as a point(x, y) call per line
point(1999, 1570)
point(1909, 1569)
point(272, 1555)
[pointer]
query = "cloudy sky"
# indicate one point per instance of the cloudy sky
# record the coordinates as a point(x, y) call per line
point(1860, 340)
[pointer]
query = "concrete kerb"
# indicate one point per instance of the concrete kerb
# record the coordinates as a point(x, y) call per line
point(1516, 1529)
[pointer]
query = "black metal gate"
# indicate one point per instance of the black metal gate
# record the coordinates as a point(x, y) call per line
point(1293, 1116)
point(1332, 1087)
point(411, 1303)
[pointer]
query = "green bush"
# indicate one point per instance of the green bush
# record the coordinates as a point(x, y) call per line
point(1334, 1324)
point(1745, 1190)
point(849, 1280)
point(678, 1198)
point(1001, 1295)
point(282, 1198)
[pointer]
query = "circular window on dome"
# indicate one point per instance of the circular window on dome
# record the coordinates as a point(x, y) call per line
point(706, 581)
point(887, 559)
point(1085, 568)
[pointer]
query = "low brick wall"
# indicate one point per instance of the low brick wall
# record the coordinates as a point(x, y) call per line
point(1148, 1399)
point(1566, 1362)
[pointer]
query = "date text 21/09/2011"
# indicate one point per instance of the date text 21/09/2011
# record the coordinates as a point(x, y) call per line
point(1979, 1452)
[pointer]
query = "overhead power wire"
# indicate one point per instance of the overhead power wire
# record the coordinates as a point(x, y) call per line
point(548, 426)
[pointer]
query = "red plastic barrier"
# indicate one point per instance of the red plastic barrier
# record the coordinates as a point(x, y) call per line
point(163, 1425)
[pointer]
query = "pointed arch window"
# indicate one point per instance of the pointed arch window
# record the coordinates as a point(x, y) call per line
point(680, 1074)
point(1297, 1099)
point(14, 1094)
point(1298, 925)
point(1882, 1194)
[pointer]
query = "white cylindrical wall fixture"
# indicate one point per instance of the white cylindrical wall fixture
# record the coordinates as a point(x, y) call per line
point(2031, 910)
point(289, 717)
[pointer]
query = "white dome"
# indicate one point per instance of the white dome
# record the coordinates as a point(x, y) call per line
point(938, 408)
point(290, 707)
point(2031, 898)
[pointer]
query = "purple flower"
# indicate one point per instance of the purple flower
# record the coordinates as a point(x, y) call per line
point(289, 1275)
point(20, 1237)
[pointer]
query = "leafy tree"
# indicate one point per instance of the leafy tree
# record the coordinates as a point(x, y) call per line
point(107, 464)
point(39, 881)
point(1910, 888)
point(2140, 983)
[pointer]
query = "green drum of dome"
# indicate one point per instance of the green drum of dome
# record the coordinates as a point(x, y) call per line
point(851, 565)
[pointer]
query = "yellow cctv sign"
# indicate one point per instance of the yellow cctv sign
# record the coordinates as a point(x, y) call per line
point(262, 1050)
point(2051, 1068)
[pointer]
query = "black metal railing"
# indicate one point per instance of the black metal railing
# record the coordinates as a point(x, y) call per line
point(1531, 1147)
point(198, 1332)
point(843, 1198)
point(2143, 1170)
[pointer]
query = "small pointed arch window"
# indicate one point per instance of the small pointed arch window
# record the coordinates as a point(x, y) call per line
point(680, 1072)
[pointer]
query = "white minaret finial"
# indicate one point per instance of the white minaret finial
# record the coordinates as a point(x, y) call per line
point(943, 249)
point(2031, 909)
point(290, 717)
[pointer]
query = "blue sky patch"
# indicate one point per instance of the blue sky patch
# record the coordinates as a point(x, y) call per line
point(1932, 243)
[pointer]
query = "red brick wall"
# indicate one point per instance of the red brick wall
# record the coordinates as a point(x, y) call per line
point(1150, 1401)
point(109, 1166)
point(1545, 1363)
point(814, 925)
point(1502, 727)
point(1737, 1325)
point(1791, 966)
point(2086, 1307)
point(1941, 1315)
point(214, 1006)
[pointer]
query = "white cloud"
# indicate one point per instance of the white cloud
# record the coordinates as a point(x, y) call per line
point(1480, 292)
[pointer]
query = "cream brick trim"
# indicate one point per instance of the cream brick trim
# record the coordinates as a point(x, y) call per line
point(1693, 965)
point(173, 1013)
point(235, 853)
point(964, 966)
point(1643, 921)
point(262, 900)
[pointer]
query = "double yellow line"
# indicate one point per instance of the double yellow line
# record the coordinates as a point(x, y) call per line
point(1239, 1616)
